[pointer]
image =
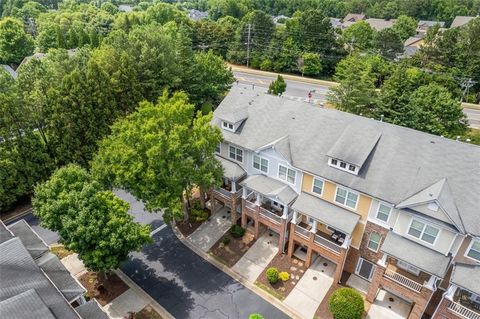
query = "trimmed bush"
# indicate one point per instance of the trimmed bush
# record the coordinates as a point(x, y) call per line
point(255, 316)
point(197, 213)
point(346, 303)
point(284, 276)
point(226, 240)
point(237, 231)
point(272, 275)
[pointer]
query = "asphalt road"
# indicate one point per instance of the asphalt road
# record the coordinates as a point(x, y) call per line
point(300, 89)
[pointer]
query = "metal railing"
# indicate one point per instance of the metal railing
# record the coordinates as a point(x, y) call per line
point(239, 193)
point(224, 193)
point(302, 231)
point(327, 244)
point(462, 311)
point(268, 214)
point(249, 205)
point(402, 280)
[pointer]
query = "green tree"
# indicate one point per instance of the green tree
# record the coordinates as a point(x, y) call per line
point(388, 43)
point(312, 64)
point(15, 44)
point(359, 35)
point(278, 86)
point(346, 303)
point(405, 27)
point(159, 152)
point(91, 222)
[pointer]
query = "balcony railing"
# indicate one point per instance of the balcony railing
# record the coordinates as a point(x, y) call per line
point(402, 280)
point(250, 206)
point(224, 193)
point(327, 244)
point(462, 311)
point(302, 231)
point(268, 214)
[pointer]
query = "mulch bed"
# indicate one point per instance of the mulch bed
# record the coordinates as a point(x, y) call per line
point(295, 268)
point(60, 251)
point(189, 226)
point(147, 313)
point(231, 253)
point(104, 290)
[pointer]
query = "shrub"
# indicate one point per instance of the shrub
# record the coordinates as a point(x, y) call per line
point(197, 213)
point(346, 303)
point(226, 240)
point(237, 231)
point(284, 276)
point(266, 65)
point(255, 316)
point(272, 275)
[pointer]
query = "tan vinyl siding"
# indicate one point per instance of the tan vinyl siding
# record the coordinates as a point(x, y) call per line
point(357, 235)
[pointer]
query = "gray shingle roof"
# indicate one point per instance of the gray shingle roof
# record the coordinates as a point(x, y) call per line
point(415, 254)
point(34, 244)
point(270, 187)
point(20, 274)
point(231, 170)
point(404, 161)
point(91, 310)
point(326, 212)
point(467, 276)
point(461, 21)
point(27, 305)
point(380, 24)
point(5, 233)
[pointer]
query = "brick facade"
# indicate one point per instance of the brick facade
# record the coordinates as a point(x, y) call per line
point(442, 311)
point(367, 253)
point(352, 260)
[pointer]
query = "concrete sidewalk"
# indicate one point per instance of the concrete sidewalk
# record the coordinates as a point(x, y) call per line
point(212, 230)
point(253, 263)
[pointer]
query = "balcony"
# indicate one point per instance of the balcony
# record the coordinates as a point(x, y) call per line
point(270, 214)
point(224, 193)
point(322, 240)
point(402, 280)
point(299, 230)
point(462, 311)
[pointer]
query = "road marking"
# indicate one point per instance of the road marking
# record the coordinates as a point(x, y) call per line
point(153, 232)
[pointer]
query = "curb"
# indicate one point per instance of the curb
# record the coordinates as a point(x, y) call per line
point(155, 305)
point(257, 290)
point(471, 106)
point(291, 77)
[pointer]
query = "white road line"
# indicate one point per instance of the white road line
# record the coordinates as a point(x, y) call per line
point(153, 232)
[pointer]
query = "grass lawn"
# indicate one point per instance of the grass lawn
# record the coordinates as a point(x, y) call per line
point(60, 251)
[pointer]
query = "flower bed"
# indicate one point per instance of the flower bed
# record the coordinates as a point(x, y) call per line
point(229, 249)
point(101, 288)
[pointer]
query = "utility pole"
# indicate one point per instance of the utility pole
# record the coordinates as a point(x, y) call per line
point(466, 84)
point(248, 43)
point(203, 47)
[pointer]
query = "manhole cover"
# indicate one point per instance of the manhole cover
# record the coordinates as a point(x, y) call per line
point(325, 264)
point(270, 234)
point(224, 216)
point(390, 307)
point(314, 278)
point(391, 299)
point(323, 270)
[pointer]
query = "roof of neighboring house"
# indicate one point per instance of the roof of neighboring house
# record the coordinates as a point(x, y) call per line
point(280, 17)
point(5, 233)
point(424, 258)
point(466, 276)
point(27, 305)
point(40, 55)
point(330, 214)
point(10, 71)
point(354, 17)
point(460, 21)
point(270, 187)
point(125, 8)
point(20, 273)
point(195, 14)
point(231, 170)
point(34, 244)
point(380, 24)
point(336, 22)
point(413, 41)
point(91, 310)
point(396, 169)
point(428, 24)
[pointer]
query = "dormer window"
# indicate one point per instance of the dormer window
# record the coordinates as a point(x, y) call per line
point(228, 126)
point(433, 206)
point(344, 166)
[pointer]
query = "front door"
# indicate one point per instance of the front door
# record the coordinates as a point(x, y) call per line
point(365, 269)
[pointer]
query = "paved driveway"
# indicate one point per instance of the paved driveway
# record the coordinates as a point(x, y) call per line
point(212, 230)
point(188, 286)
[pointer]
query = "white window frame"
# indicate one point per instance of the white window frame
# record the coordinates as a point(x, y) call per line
point(335, 162)
point(425, 225)
point(467, 251)
point(346, 197)
point(370, 240)
point(408, 267)
point(260, 158)
point(236, 153)
point(360, 261)
point(228, 126)
point(389, 213)
point(313, 185)
point(286, 174)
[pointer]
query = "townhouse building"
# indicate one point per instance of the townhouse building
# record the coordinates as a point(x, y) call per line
point(394, 206)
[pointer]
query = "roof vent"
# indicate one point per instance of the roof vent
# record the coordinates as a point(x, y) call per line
point(433, 142)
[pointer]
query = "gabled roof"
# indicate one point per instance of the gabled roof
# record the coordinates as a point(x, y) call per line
point(354, 17)
point(380, 24)
point(271, 188)
point(282, 146)
point(466, 276)
point(354, 148)
point(413, 41)
point(461, 21)
point(428, 23)
point(34, 244)
point(27, 305)
point(91, 310)
point(5, 233)
point(231, 170)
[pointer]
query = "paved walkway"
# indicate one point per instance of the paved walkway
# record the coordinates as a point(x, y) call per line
point(312, 288)
point(383, 307)
point(205, 236)
point(253, 263)
point(129, 301)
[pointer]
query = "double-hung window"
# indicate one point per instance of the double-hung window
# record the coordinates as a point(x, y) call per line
point(317, 186)
point(286, 174)
point(236, 154)
point(474, 251)
point(346, 198)
point(374, 241)
point(260, 163)
point(383, 212)
point(423, 231)
point(228, 126)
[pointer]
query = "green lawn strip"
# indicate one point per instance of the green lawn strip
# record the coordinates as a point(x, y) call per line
point(269, 290)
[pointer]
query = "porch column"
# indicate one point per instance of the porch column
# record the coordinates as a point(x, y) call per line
point(244, 214)
point(311, 239)
point(233, 203)
point(452, 289)
point(212, 202)
point(347, 241)
point(432, 283)
point(258, 201)
point(295, 217)
point(244, 193)
point(285, 212)
point(234, 187)
point(314, 227)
